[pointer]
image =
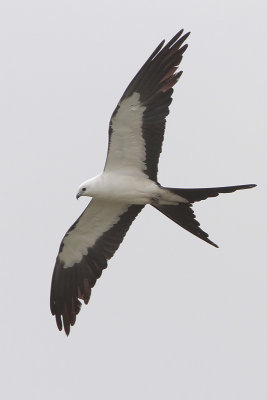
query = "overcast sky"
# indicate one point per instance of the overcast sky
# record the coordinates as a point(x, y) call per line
point(171, 317)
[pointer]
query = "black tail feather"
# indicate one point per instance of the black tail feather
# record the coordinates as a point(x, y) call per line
point(184, 216)
point(199, 194)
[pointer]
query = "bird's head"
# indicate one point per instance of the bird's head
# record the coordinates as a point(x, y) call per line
point(87, 188)
point(81, 191)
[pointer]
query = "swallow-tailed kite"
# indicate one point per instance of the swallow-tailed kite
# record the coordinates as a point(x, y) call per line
point(127, 184)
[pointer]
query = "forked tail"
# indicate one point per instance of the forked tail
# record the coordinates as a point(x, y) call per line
point(183, 214)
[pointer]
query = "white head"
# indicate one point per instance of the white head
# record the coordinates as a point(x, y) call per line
point(87, 188)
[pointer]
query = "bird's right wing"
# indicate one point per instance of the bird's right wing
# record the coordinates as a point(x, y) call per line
point(83, 254)
point(137, 125)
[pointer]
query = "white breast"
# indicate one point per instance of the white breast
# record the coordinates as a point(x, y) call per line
point(123, 188)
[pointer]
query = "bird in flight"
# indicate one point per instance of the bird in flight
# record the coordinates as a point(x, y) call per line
point(127, 184)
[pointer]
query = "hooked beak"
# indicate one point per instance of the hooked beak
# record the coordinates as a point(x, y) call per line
point(78, 195)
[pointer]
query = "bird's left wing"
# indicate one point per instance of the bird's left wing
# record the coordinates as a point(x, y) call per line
point(137, 125)
point(83, 254)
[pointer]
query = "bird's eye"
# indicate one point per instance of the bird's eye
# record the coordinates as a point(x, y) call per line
point(83, 189)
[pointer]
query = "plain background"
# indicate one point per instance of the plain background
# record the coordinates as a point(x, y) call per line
point(172, 317)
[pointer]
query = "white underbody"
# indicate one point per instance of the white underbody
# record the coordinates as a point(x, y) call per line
point(128, 189)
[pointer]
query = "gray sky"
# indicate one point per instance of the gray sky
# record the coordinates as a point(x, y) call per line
point(172, 317)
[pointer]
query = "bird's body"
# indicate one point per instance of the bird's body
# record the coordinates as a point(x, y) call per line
point(129, 189)
point(127, 184)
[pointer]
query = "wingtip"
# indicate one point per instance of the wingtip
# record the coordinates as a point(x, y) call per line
point(59, 322)
point(181, 31)
point(187, 34)
point(183, 48)
point(67, 328)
